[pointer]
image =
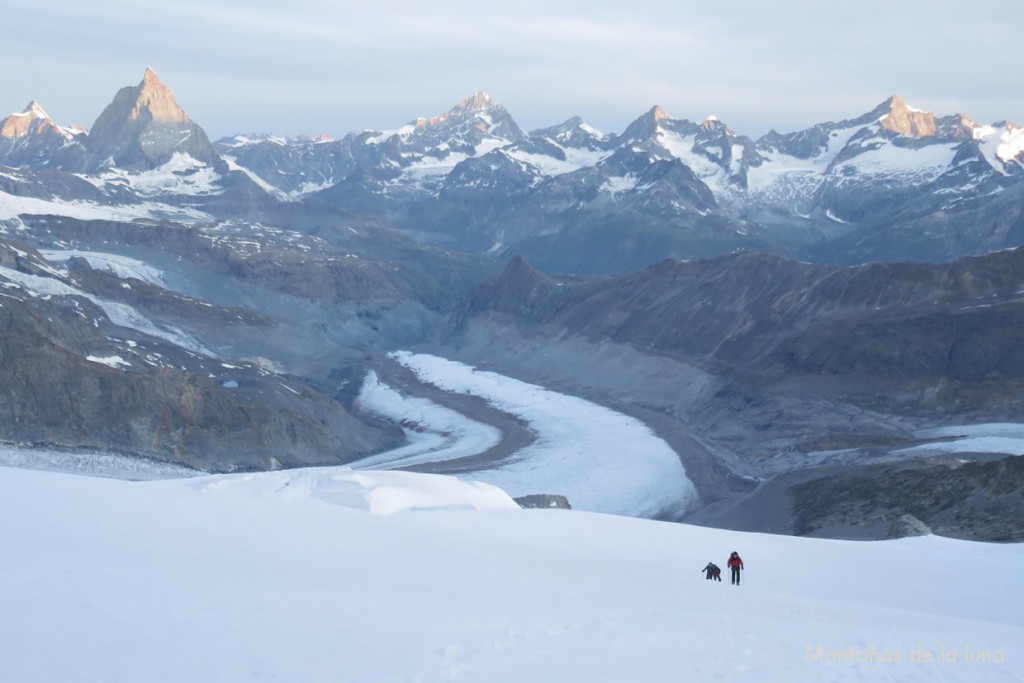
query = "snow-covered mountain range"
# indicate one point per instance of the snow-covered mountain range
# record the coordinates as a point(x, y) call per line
point(471, 178)
point(894, 183)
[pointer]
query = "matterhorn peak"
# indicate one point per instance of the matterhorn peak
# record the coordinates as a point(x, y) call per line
point(143, 127)
point(156, 100)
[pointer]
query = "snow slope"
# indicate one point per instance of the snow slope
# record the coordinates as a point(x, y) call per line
point(1001, 145)
point(333, 575)
point(12, 206)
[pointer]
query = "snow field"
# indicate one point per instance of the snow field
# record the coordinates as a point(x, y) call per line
point(301, 576)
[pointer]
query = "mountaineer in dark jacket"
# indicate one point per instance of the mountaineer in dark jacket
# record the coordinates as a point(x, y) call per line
point(713, 572)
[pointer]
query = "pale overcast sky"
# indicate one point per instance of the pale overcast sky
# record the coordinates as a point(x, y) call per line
point(312, 66)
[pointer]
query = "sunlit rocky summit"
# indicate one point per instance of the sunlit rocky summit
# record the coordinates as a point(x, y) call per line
point(142, 129)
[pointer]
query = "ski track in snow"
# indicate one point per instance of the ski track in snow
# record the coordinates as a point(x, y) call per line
point(601, 460)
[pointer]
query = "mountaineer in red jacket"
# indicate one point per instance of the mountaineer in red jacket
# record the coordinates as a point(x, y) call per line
point(735, 563)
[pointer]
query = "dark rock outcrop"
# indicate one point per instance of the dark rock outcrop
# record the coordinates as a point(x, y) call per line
point(544, 501)
point(908, 525)
point(63, 385)
point(982, 500)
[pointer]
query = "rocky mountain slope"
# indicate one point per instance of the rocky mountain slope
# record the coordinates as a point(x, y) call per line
point(221, 348)
point(954, 323)
point(84, 367)
point(979, 499)
point(759, 368)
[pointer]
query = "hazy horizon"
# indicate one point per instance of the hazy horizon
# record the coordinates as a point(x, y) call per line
point(313, 67)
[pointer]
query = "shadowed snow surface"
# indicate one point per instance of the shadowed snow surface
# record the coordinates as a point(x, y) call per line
point(337, 575)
